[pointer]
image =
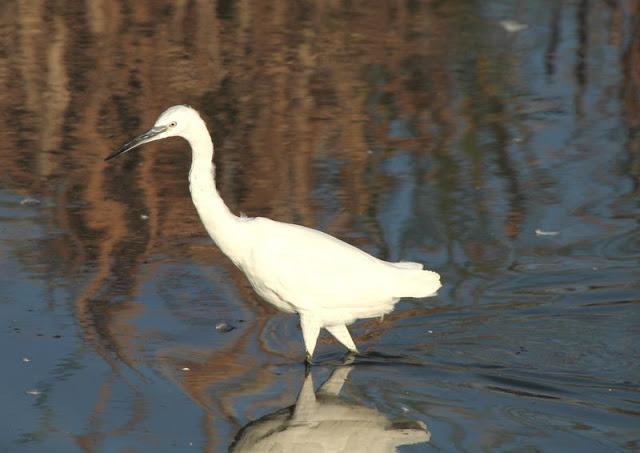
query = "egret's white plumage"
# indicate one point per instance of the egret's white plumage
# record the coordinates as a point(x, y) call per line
point(328, 282)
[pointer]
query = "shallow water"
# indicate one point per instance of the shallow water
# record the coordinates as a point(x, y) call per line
point(504, 155)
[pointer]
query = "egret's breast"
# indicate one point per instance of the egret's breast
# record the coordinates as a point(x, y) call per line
point(265, 291)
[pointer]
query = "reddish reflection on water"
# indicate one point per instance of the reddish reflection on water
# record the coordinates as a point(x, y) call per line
point(503, 154)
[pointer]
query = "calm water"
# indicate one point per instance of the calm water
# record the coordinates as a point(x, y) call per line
point(504, 155)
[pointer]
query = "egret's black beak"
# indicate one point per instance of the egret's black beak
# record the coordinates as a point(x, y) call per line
point(139, 140)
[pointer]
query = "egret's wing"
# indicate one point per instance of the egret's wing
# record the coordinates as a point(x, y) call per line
point(302, 264)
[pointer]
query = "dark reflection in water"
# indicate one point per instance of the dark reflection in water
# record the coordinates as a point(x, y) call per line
point(498, 142)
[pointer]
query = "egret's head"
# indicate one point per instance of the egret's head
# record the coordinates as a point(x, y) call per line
point(174, 121)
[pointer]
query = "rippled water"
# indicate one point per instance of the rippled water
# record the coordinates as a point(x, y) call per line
point(497, 142)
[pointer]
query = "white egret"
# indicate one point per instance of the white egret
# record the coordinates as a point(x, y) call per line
point(328, 282)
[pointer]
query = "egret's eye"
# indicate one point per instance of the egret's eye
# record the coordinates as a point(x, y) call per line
point(173, 124)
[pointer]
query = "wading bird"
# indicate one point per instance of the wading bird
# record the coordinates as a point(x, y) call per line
point(328, 282)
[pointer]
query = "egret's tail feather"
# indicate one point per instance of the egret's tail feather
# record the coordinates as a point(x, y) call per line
point(414, 282)
point(407, 265)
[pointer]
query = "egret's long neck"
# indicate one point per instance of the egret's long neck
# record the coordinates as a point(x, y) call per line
point(221, 224)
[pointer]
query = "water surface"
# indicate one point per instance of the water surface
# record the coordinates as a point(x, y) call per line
point(504, 155)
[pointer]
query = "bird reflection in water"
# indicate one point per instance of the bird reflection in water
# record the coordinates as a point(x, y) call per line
point(323, 422)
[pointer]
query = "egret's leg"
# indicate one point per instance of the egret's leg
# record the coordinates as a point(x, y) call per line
point(333, 385)
point(306, 405)
point(310, 330)
point(342, 335)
